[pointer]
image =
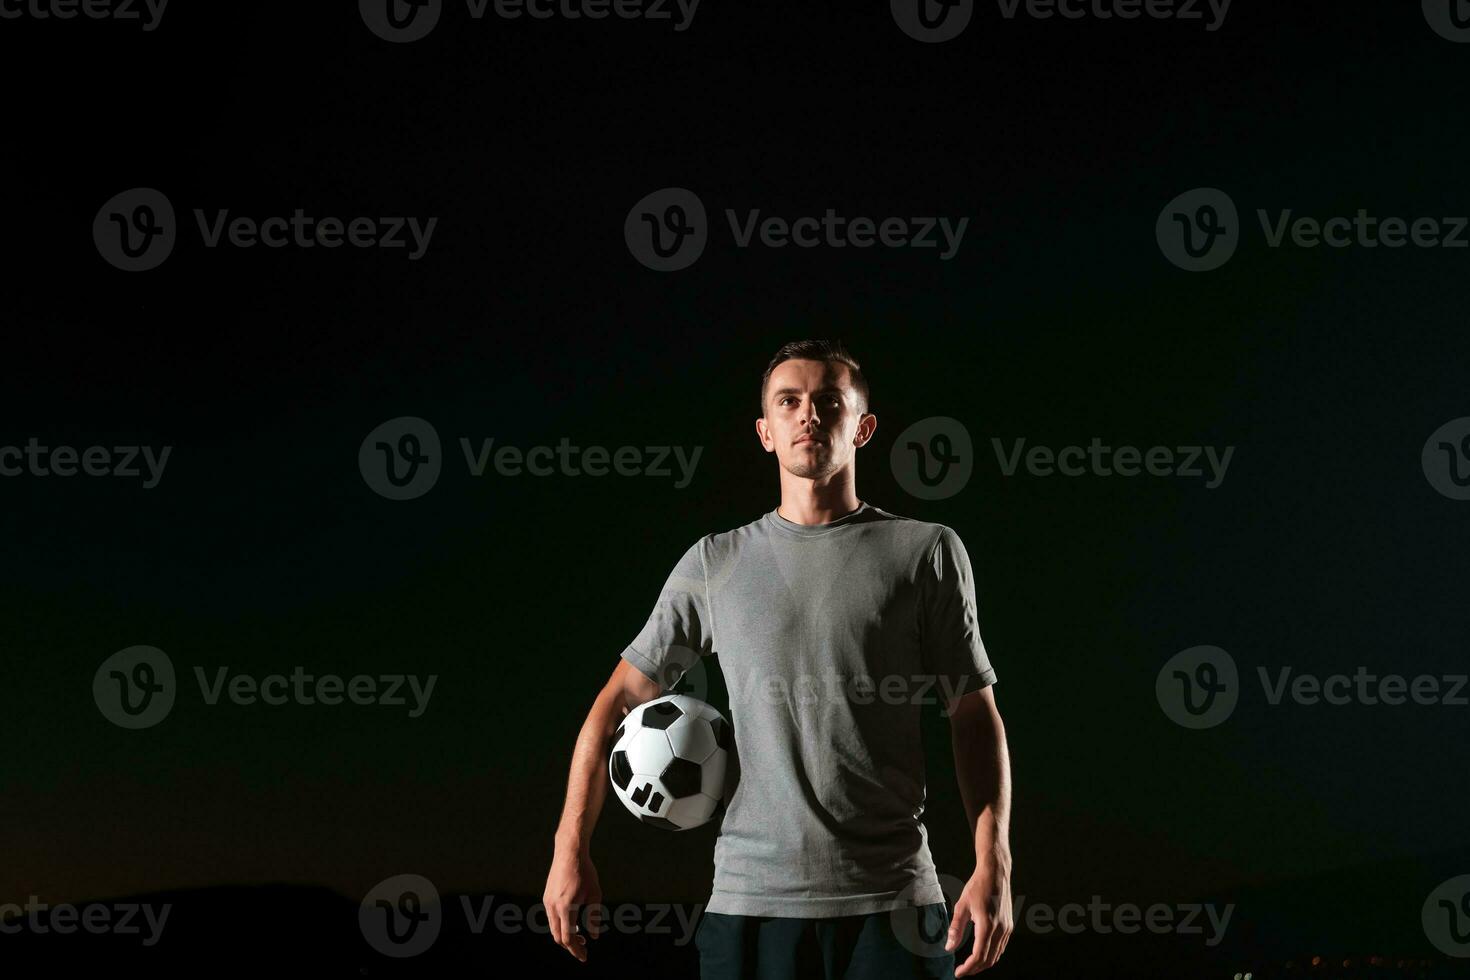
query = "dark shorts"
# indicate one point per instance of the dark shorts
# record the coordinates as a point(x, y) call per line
point(878, 946)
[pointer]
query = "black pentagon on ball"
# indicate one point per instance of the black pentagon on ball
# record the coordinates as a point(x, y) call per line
point(722, 733)
point(622, 772)
point(661, 715)
point(661, 822)
point(618, 735)
point(681, 777)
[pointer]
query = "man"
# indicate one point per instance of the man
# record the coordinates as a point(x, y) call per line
point(829, 616)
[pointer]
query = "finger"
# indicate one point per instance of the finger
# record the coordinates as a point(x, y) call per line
point(576, 937)
point(1001, 939)
point(971, 965)
point(992, 947)
point(578, 947)
point(568, 937)
point(976, 960)
point(595, 917)
point(957, 924)
point(553, 920)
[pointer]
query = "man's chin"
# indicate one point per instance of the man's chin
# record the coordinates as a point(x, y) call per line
point(810, 469)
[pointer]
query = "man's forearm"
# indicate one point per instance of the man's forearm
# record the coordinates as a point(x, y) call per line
point(982, 764)
point(587, 782)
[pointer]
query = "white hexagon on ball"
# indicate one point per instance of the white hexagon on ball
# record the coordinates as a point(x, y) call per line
point(692, 738)
point(649, 751)
point(667, 762)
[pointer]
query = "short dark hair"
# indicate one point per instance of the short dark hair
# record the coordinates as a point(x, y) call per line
point(830, 351)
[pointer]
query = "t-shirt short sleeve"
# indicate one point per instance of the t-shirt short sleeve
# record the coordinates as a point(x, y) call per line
point(678, 632)
point(949, 624)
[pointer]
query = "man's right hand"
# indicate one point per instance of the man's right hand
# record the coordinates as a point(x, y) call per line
point(571, 887)
point(572, 884)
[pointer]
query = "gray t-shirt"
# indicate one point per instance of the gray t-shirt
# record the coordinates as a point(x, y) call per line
point(833, 638)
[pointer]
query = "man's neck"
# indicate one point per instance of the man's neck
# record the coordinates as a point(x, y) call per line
point(818, 505)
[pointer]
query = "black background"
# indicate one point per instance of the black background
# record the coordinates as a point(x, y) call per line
point(528, 320)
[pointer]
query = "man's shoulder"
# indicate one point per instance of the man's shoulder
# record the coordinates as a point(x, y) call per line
point(929, 532)
point(735, 536)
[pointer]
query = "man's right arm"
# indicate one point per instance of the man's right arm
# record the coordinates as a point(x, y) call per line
point(572, 883)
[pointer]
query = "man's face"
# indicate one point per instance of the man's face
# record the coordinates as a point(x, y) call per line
point(813, 421)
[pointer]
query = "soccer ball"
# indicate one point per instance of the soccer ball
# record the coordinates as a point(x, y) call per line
point(668, 761)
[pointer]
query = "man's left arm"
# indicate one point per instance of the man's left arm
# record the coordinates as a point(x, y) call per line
point(983, 766)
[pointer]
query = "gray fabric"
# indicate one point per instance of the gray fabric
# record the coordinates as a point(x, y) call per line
point(827, 636)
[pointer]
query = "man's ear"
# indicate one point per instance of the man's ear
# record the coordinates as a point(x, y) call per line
point(763, 432)
point(866, 426)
